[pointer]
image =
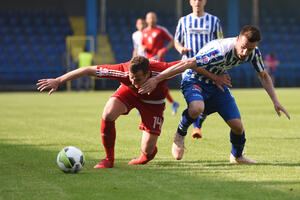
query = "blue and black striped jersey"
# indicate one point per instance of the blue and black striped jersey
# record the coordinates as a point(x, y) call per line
point(218, 56)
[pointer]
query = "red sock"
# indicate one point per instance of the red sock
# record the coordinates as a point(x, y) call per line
point(143, 159)
point(108, 134)
point(170, 99)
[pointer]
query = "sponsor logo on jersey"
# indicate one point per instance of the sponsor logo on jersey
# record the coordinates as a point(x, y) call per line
point(206, 57)
point(197, 87)
point(198, 31)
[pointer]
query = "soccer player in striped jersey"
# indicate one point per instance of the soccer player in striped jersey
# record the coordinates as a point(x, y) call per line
point(131, 75)
point(138, 48)
point(202, 95)
point(153, 40)
point(192, 33)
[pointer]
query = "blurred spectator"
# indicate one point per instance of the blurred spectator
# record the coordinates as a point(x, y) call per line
point(84, 59)
point(138, 49)
point(154, 37)
point(271, 63)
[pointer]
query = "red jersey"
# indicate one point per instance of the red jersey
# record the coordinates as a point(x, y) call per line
point(120, 72)
point(153, 39)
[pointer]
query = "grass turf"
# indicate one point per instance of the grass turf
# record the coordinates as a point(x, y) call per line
point(34, 127)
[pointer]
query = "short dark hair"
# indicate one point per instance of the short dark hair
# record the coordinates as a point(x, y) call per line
point(138, 63)
point(252, 33)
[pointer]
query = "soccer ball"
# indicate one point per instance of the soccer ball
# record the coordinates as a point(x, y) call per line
point(70, 159)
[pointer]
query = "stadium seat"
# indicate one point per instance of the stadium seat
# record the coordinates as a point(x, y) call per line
point(29, 39)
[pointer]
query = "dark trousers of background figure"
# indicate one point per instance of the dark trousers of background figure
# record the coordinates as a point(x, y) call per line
point(83, 84)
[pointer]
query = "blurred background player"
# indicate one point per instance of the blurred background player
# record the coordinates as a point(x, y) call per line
point(154, 37)
point(271, 63)
point(192, 33)
point(138, 49)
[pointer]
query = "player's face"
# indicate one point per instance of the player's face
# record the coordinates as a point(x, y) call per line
point(243, 47)
point(138, 78)
point(151, 19)
point(197, 4)
point(140, 24)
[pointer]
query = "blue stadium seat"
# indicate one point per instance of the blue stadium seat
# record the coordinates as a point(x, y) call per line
point(2, 22)
point(41, 30)
point(20, 39)
point(59, 39)
point(7, 39)
point(45, 39)
point(29, 30)
point(33, 40)
point(37, 21)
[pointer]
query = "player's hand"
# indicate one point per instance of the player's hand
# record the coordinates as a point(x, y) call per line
point(184, 50)
point(48, 84)
point(148, 86)
point(223, 79)
point(278, 107)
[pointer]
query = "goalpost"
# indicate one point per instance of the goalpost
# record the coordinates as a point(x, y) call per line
point(75, 45)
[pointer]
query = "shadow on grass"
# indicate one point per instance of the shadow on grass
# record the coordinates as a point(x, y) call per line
point(29, 172)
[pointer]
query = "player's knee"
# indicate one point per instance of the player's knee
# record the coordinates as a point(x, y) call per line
point(108, 117)
point(196, 108)
point(238, 129)
point(194, 112)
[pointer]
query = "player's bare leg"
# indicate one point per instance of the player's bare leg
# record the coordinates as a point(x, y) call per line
point(178, 146)
point(148, 147)
point(237, 138)
point(187, 118)
point(113, 109)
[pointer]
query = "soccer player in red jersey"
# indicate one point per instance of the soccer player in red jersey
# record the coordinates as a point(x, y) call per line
point(153, 40)
point(131, 75)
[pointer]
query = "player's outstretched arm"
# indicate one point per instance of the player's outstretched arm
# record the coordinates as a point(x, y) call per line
point(151, 83)
point(53, 84)
point(266, 82)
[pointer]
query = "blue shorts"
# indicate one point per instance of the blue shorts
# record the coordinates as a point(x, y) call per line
point(214, 99)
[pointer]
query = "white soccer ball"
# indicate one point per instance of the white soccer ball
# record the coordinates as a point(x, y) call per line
point(70, 159)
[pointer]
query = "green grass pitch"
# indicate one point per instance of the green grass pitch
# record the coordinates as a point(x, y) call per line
point(34, 127)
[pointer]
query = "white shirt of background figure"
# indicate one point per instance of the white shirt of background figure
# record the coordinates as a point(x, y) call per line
point(138, 48)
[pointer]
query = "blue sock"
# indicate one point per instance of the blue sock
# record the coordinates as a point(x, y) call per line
point(200, 119)
point(197, 123)
point(237, 144)
point(185, 122)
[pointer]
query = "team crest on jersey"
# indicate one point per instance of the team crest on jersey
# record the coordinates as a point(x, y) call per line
point(103, 72)
point(213, 53)
point(154, 34)
point(204, 59)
